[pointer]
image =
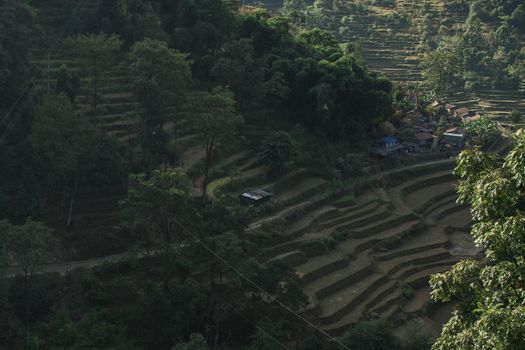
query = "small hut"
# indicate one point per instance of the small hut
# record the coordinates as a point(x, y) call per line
point(256, 197)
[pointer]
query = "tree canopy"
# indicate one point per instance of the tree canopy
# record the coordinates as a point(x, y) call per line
point(489, 312)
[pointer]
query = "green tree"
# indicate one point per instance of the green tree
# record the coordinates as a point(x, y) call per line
point(215, 120)
point(8, 321)
point(277, 150)
point(155, 206)
point(237, 68)
point(70, 152)
point(161, 76)
point(441, 71)
point(489, 313)
point(517, 18)
point(67, 82)
point(128, 18)
point(295, 10)
point(515, 116)
point(30, 245)
point(370, 335)
point(482, 132)
point(17, 26)
point(196, 342)
point(96, 53)
point(91, 331)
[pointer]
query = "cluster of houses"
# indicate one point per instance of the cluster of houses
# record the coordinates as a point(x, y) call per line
point(455, 116)
point(441, 132)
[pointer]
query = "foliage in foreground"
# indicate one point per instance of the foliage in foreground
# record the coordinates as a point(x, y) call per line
point(490, 312)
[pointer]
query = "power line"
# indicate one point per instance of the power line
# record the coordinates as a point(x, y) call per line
point(51, 51)
point(252, 323)
point(247, 279)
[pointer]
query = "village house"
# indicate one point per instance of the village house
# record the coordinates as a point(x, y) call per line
point(462, 113)
point(454, 138)
point(469, 119)
point(450, 108)
point(435, 105)
point(387, 146)
point(424, 139)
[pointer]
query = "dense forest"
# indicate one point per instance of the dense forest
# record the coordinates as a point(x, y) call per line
point(101, 107)
point(201, 59)
point(487, 51)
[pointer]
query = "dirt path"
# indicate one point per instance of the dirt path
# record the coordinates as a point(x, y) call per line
point(64, 267)
point(190, 158)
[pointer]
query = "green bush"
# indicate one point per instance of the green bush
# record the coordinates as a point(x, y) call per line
point(278, 150)
point(344, 201)
point(371, 335)
point(340, 236)
point(318, 246)
point(407, 291)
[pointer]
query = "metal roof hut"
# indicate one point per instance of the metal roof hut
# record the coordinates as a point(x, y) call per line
point(256, 197)
point(454, 137)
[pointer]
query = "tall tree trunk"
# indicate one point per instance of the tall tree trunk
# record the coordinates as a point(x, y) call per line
point(207, 163)
point(71, 201)
point(95, 88)
point(26, 308)
point(28, 277)
point(215, 345)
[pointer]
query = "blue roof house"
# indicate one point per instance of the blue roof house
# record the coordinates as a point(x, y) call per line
point(387, 146)
point(388, 141)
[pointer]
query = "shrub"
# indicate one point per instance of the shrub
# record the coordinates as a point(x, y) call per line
point(340, 236)
point(371, 335)
point(318, 246)
point(481, 132)
point(277, 150)
point(408, 291)
point(414, 337)
point(344, 201)
point(515, 116)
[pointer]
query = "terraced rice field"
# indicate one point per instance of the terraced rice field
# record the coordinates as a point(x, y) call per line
point(117, 109)
point(391, 49)
point(356, 260)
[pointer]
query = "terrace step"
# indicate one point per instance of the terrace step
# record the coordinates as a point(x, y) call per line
point(373, 215)
point(390, 267)
point(421, 278)
point(381, 225)
point(403, 273)
point(437, 201)
point(302, 187)
point(386, 302)
point(298, 227)
point(332, 282)
point(293, 258)
point(444, 210)
point(417, 303)
point(434, 238)
point(350, 249)
point(361, 308)
point(337, 306)
point(352, 214)
point(383, 233)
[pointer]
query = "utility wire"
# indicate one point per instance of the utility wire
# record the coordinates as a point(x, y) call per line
point(247, 279)
point(252, 323)
point(51, 51)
